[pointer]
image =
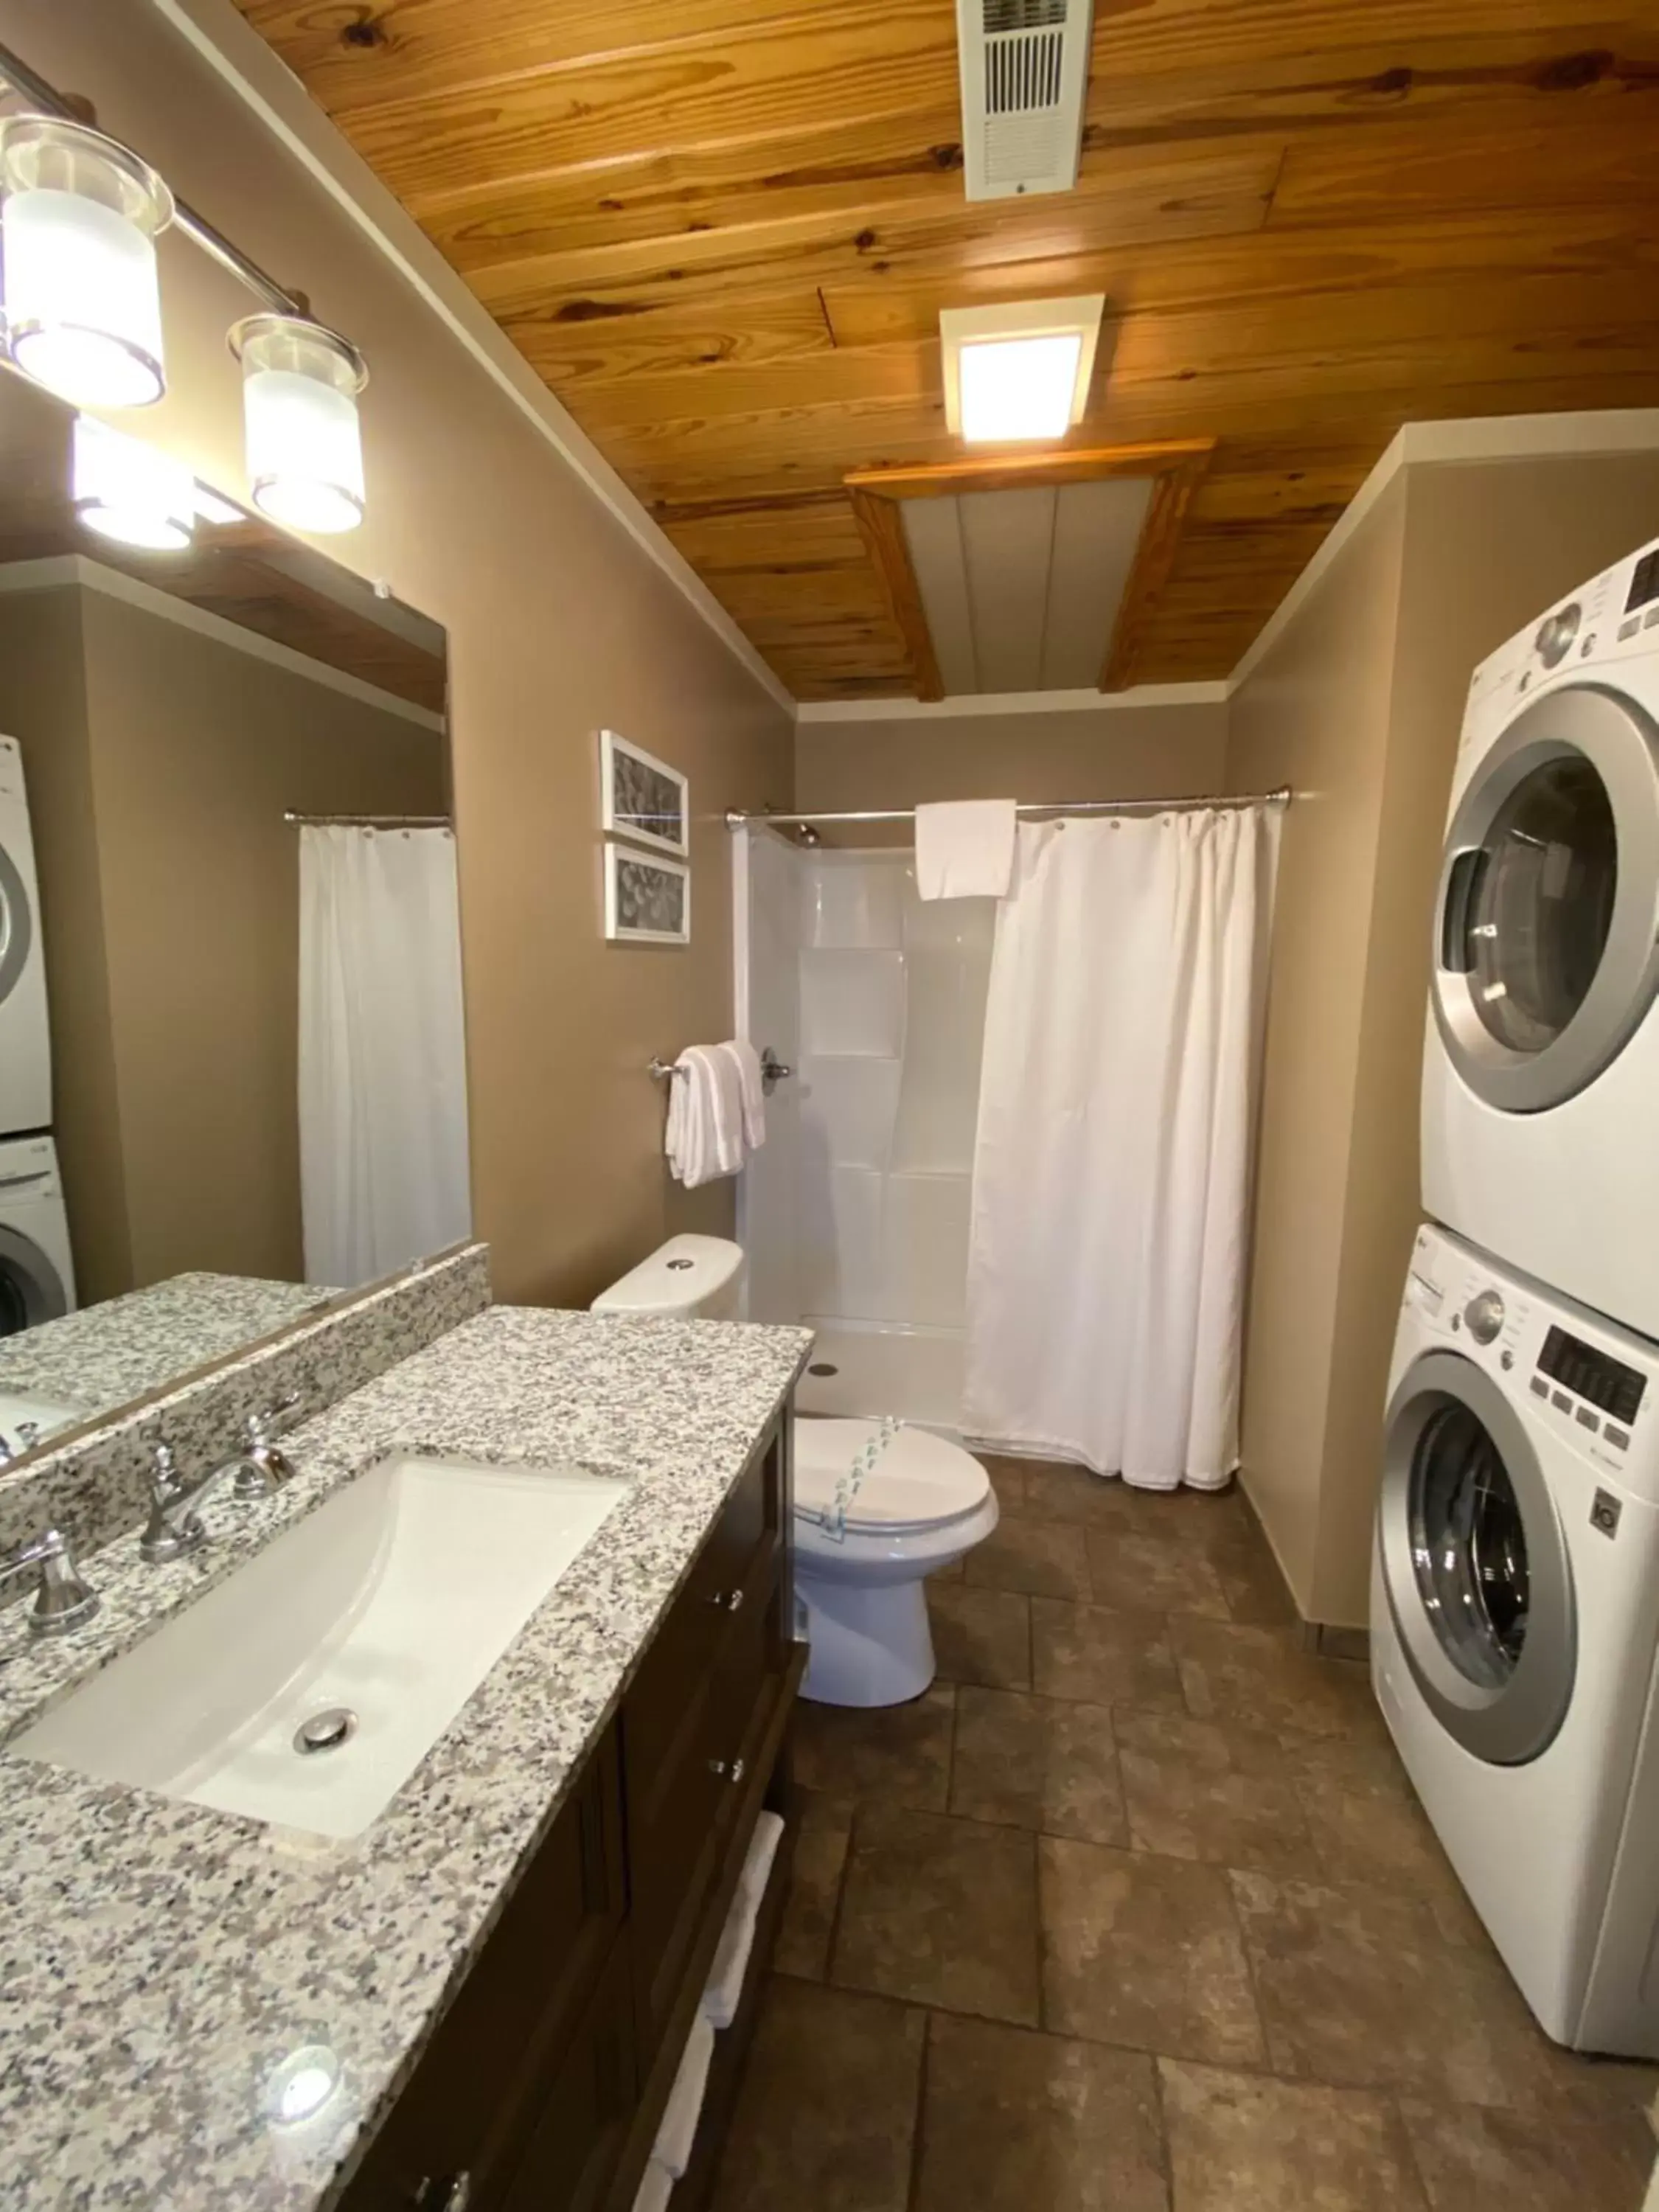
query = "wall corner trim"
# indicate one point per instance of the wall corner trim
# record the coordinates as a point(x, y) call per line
point(264, 83)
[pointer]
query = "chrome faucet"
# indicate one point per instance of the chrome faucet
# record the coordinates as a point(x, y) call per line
point(174, 1527)
point(27, 1434)
point(64, 1601)
point(265, 1466)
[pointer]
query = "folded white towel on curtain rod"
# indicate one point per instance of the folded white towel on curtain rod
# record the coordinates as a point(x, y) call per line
point(965, 848)
point(752, 1089)
point(704, 1139)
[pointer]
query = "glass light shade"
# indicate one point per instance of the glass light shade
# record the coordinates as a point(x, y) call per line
point(305, 450)
point(132, 492)
point(1015, 388)
point(77, 262)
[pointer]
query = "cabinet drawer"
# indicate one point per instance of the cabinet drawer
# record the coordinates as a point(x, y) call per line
point(583, 2123)
point(470, 2100)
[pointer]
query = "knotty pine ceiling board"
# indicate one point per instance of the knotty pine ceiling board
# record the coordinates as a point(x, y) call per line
point(721, 231)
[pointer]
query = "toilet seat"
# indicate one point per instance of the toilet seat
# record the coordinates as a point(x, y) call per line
point(921, 1482)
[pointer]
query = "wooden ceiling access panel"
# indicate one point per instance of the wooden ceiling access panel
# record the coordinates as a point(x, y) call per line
point(1176, 468)
point(722, 232)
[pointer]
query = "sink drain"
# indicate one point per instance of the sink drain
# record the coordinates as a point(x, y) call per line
point(824, 1367)
point(325, 1731)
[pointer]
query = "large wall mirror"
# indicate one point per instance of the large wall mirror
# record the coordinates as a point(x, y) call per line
point(231, 1067)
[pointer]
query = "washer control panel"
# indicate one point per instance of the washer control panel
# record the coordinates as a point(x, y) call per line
point(1483, 1316)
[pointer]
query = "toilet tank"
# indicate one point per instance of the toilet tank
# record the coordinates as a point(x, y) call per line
point(687, 1279)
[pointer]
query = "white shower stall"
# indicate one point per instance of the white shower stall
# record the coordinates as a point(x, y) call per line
point(855, 1214)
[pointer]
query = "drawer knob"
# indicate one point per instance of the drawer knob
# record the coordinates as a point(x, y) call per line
point(729, 1770)
point(727, 1600)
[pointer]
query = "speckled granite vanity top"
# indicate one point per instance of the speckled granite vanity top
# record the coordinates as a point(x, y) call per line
point(160, 1962)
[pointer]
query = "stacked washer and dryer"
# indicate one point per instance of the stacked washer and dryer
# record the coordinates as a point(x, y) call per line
point(1514, 1608)
point(37, 1280)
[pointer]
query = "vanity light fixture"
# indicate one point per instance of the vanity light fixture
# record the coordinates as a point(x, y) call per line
point(77, 260)
point(131, 491)
point(305, 449)
point(1020, 373)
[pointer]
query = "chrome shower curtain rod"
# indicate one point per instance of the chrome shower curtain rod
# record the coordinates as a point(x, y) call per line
point(1280, 797)
point(367, 821)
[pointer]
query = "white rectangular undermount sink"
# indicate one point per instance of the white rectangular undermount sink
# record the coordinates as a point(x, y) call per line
point(362, 1630)
point(45, 1416)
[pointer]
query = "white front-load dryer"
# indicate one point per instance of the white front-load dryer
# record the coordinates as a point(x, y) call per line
point(25, 1047)
point(1540, 1075)
point(1515, 1623)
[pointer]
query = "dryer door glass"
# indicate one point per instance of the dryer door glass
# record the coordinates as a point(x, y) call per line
point(1545, 959)
point(1470, 1545)
point(1533, 926)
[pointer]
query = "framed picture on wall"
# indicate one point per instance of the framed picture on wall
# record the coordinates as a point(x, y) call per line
point(647, 901)
point(641, 796)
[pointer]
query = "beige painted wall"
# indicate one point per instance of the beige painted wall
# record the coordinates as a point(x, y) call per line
point(558, 624)
point(1122, 752)
point(1358, 705)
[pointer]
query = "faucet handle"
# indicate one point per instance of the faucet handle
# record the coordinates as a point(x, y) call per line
point(258, 1425)
point(63, 1600)
point(166, 1481)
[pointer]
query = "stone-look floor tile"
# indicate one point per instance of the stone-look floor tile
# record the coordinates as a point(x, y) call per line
point(827, 2111)
point(1037, 1763)
point(1475, 2160)
point(1260, 1678)
point(956, 1572)
point(1103, 1656)
point(1239, 2142)
point(1007, 1478)
point(889, 1755)
point(1013, 2122)
point(1359, 1987)
point(1367, 1826)
point(1251, 1579)
point(940, 1911)
point(808, 1923)
point(1153, 1572)
point(980, 1635)
point(1055, 1492)
point(1044, 1559)
point(1145, 1951)
point(1197, 1791)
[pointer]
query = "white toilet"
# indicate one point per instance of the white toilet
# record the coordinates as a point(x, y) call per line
point(861, 1550)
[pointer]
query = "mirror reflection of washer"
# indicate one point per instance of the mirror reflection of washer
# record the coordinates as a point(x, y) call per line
point(37, 1276)
point(1515, 1627)
point(25, 1046)
point(1541, 1079)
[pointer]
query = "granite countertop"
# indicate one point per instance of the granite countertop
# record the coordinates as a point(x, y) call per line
point(108, 1354)
point(160, 1962)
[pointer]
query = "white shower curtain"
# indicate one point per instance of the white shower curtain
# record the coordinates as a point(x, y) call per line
point(383, 1142)
point(1111, 1169)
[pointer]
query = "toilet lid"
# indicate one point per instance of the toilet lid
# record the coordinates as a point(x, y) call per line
point(920, 1480)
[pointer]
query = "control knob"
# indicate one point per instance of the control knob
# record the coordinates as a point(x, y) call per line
point(1484, 1316)
point(1556, 634)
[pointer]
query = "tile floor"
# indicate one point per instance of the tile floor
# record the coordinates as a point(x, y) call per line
point(1134, 1912)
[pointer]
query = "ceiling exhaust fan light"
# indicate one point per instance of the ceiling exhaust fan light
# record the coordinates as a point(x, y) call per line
point(132, 492)
point(1018, 388)
point(77, 262)
point(305, 451)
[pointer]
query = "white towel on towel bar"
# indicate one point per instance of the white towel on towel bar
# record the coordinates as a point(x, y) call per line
point(725, 1976)
point(965, 848)
point(753, 1090)
point(704, 1137)
point(672, 2148)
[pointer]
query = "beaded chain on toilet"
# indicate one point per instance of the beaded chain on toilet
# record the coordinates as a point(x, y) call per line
point(847, 1489)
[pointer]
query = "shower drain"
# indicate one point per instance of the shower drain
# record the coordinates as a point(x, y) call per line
point(824, 1367)
point(325, 1731)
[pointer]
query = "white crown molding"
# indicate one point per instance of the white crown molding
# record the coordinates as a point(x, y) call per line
point(59, 569)
point(266, 85)
point(1010, 703)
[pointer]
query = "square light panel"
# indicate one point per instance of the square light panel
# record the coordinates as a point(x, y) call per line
point(1019, 374)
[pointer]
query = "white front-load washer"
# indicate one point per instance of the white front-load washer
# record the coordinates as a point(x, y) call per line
point(37, 1275)
point(1540, 1075)
point(25, 1047)
point(1515, 1624)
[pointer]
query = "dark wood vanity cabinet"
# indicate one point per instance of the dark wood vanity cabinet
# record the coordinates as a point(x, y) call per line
point(544, 2083)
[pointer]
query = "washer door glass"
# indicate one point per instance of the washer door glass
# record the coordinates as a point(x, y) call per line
point(1549, 901)
point(1475, 1562)
point(31, 1289)
point(1469, 1546)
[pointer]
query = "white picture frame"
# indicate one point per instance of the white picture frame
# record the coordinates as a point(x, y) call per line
point(641, 798)
point(638, 910)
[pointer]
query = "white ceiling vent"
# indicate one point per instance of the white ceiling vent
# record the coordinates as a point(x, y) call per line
point(1024, 72)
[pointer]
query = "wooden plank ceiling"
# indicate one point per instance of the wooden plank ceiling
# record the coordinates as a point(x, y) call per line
point(722, 231)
